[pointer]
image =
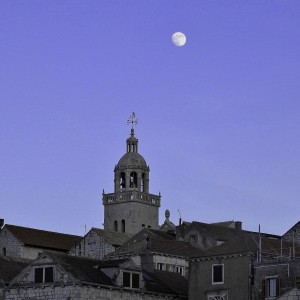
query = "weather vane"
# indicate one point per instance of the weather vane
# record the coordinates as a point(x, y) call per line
point(133, 120)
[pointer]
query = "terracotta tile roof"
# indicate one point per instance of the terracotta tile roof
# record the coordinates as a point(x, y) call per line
point(114, 238)
point(9, 268)
point(42, 238)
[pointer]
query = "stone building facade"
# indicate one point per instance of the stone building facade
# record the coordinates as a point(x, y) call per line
point(28, 243)
point(97, 243)
point(61, 277)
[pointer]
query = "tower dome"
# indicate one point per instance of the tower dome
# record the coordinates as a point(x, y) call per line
point(132, 159)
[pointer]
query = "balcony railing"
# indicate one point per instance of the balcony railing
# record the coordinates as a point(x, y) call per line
point(131, 196)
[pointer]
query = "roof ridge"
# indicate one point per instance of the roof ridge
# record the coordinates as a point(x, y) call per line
point(30, 228)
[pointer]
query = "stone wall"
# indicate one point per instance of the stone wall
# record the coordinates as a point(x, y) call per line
point(10, 243)
point(76, 292)
point(235, 284)
point(92, 246)
point(170, 263)
point(137, 215)
point(287, 271)
point(293, 233)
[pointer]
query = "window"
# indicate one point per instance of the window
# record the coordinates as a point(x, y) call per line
point(115, 226)
point(4, 251)
point(219, 296)
point(123, 226)
point(133, 180)
point(192, 238)
point(131, 280)
point(92, 246)
point(160, 266)
point(142, 183)
point(43, 275)
point(179, 270)
point(297, 282)
point(122, 181)
point(218, 274)
point(271, 287)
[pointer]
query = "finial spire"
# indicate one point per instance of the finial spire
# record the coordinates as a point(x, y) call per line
point(133, 120)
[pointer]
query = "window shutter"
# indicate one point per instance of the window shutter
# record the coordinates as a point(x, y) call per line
point(263, 291)
point(277, 286)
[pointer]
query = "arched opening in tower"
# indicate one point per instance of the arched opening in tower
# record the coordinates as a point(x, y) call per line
point(133, 180)
point(122, 181)
point(142, 183)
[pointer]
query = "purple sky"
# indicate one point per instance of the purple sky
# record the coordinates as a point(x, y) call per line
point(219, 118)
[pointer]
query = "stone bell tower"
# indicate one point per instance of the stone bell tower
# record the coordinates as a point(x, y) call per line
point(131, 208)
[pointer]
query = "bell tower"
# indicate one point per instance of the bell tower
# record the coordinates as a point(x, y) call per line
point(131, 207)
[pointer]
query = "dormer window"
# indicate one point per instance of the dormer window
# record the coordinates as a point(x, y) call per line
point(43, 275)
point(131, 280)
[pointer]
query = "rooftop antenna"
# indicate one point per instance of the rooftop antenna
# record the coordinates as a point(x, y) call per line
point(259, 245)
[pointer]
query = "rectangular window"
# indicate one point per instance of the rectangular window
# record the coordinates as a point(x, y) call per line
point(43, 275)
point(179, 270)
point(160, 266)
point(271, 287)
point(49, 274)
point(218, 274)
point(192, 238)
point(131, 280)
point(135, 280)
point(38, 275)
point(297, 282)
point(126, 279)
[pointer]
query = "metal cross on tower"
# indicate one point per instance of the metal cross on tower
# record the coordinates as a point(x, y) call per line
point(133, 120)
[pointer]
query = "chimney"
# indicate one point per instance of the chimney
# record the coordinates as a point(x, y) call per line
point(147, 257)
point(238, 225)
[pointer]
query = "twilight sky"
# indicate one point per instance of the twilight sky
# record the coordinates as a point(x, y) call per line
point(219, 118)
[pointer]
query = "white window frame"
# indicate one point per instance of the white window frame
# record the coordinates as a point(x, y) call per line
point(44, 273)
point(131, 280)
point(212, 274)
point(160, 266)
point(181, 268)
point(269, 293)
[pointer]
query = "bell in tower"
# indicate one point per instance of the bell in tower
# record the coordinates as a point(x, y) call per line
point(131, 207)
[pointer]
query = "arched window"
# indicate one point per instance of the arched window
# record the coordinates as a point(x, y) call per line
point(142, 183)
point(133, 180)
point(123, 226)
point(4, 251)
point(122, 181)
point(115, 226)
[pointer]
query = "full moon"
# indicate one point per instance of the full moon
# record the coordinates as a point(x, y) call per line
point(179, 39)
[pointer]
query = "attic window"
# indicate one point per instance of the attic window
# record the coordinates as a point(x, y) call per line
point(43, 275)
point(192, 238)
point(131, 280)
